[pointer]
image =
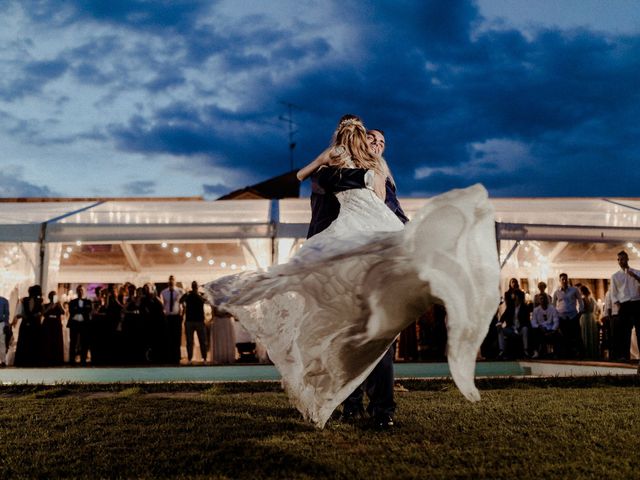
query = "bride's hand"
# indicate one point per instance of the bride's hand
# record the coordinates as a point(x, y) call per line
point(322, 159)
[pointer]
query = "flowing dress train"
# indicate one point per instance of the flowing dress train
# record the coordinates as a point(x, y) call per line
point(328, 315)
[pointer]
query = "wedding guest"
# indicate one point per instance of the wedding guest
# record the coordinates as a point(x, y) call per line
point(569, 304)
point(589, 324)
point(511, 293)
point(625, 294)
point(223, 338)
point(514, 324)
point(193, 303)
point(542, 287)
point(545, 326)
point(170, 298)
point(30, 310)
point(609, 322)
point(5, 329)
point(132, 328)
point(52, 349)
point(80, 310)
point(154, 322)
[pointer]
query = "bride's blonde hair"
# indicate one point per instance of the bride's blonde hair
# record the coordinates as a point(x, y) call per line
point(350, 143)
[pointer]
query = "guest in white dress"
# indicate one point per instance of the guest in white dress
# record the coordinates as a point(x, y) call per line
point(223, 338)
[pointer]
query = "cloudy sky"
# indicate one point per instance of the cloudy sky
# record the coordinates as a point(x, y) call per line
point(187, 97)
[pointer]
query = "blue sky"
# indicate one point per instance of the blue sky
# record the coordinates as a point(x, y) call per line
point(185, 97)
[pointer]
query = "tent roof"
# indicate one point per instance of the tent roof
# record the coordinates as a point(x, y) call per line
point(569, 219)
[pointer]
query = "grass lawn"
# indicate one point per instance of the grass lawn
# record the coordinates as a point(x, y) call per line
point(557, 428)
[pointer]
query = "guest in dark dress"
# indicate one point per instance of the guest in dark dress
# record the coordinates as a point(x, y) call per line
point(155, 327)
point(30, 310)
point(52, 349)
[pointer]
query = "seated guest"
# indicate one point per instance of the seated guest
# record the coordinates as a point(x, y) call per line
point(514, 324)
point(545, 325)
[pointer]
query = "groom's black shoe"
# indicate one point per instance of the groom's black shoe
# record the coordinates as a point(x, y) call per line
point(352, 415)
point(383, 422)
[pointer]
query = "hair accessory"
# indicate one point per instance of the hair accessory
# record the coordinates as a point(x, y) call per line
point(351, 121)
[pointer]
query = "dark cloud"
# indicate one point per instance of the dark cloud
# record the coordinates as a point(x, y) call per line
point(32, 78)
point(139, 187)
point(160, 15)
point(12, 185)
point(422, 71)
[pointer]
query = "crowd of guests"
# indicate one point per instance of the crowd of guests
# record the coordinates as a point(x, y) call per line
point(119, 325)
point(569, 323)
point(125, 324)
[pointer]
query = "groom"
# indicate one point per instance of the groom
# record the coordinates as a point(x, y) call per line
point(325, 207)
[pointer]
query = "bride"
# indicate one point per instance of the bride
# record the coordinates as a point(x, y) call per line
point(330, 313)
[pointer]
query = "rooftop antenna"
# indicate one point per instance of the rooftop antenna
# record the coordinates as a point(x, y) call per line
point(289, 119)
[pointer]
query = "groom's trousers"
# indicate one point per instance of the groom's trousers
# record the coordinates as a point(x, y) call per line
point(379, 388)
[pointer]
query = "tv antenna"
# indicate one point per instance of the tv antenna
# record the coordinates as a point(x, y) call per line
point(289, 119)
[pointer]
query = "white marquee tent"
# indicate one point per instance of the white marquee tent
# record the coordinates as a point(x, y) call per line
point(117, 240)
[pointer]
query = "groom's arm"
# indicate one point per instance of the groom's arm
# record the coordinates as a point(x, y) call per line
point(334, 180)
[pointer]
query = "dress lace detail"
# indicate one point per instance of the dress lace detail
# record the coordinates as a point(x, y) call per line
point(329, 315)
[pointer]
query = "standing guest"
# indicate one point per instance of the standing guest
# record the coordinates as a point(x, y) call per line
point(609, 321)
point(80, 310)
point(588, 324)
point(545, 326)
point(30, 310)
point(113, 326)
point(5, 330)
point(193, 303)
point(511, 293)
point(625, 294)
point(52, 350)
point(542, 292)
point(154, 324)
point(170, 298)
point(132, 340)
point(568, 303)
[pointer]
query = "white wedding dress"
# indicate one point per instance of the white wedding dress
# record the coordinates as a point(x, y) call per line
point(330, 313)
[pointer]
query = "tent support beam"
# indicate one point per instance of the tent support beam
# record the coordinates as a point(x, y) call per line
point(130, 255)
point(511, 252)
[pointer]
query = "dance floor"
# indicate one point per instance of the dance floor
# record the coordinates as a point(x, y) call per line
point(250, 372)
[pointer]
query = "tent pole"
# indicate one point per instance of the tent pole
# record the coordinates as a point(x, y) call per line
point(42, 240)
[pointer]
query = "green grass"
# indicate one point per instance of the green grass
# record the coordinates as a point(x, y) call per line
point(536, 428)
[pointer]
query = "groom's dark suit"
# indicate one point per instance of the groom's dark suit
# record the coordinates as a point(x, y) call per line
point(325, 183)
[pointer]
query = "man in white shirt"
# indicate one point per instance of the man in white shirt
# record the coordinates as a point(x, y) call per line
point(625, 294)
point(568, 302)
point(544, 325)
point(170, 298)
point(80, 310)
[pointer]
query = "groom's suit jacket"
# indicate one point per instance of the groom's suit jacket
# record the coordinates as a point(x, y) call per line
point(327, 181)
